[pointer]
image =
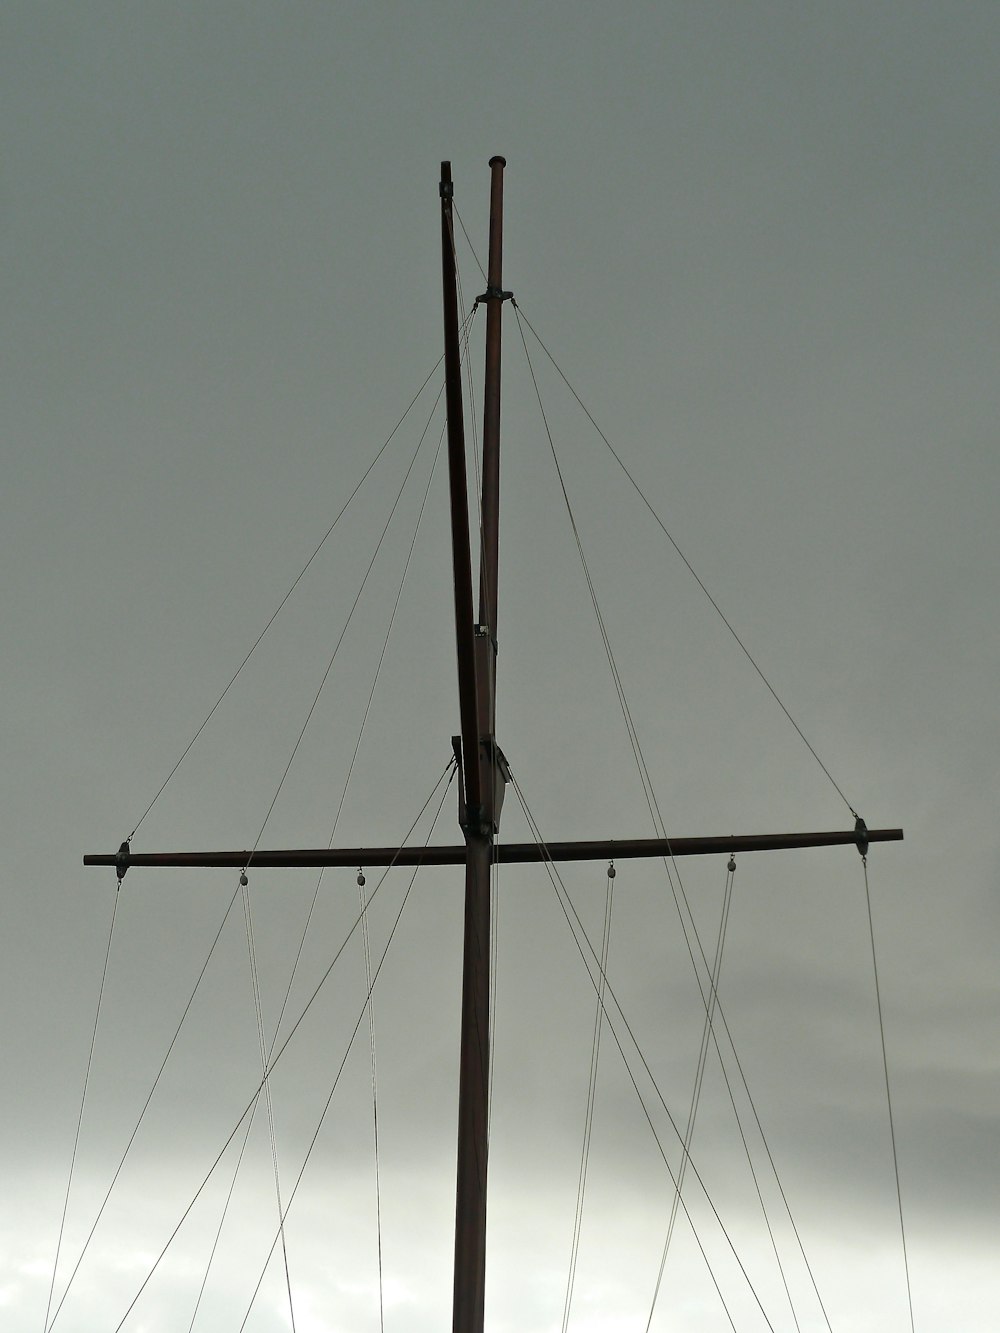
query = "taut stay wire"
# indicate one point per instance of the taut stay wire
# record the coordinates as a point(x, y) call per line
point(888, 1095)
point(79, 1120)
point(366, 1008)
point(447, 774)
point(588, 1124)
point(578, 931)
point(694, 574)
point(687, 922)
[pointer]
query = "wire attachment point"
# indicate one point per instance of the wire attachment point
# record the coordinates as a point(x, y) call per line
point(494, 294)
point(861, 836)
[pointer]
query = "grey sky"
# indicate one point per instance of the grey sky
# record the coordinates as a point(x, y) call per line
point(761, 241)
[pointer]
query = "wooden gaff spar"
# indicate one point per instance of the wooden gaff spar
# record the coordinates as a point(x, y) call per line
point(483, 768)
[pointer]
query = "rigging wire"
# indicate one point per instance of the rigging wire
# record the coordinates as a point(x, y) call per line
point(445, 777)
point(366, 1008)
point(79, 1120)
point(588, 1124)
point(468, 240)
point(269, 1107)
point(273, 802)
point(688, 925)
point(274, 799)
point(336, 650)
point(888, 1095)
point(370, 984)
point(684, 913)
point(343, 796)
point(361, 879)
point(298, 578)
point(579, 933)
point(663, 528)
point(225, 1213)
point(336, 821)
point(707, 1033)
point(364, 721)
point(145, 1107)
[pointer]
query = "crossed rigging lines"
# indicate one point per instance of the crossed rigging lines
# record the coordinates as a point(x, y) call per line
point(709, 993)
point(242, 888)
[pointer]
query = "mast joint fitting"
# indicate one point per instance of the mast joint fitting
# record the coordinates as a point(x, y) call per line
point(494, 294)
point(484, 632)
point(861, 836)
point(483, 820)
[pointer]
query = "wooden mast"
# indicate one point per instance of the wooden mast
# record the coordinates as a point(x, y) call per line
point(483, 770)
point(480, 759)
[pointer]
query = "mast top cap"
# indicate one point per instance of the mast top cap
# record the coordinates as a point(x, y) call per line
point(498, 161)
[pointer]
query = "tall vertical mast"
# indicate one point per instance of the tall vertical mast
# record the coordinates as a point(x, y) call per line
point(493, 297)
point(491, 405)
point(482, 763)
point(484, 771)
point(461, 561)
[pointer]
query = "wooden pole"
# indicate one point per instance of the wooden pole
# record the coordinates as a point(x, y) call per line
point(505, 853)
point(473, 1093)
point(479, 761)
point(491, 406)
point(461, 561)
point(484, 771)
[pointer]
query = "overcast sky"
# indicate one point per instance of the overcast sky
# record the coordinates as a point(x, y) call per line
point(760, 240)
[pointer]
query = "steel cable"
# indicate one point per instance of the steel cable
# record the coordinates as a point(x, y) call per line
point(276, 1057)
point(79, 1120)
point(663, 528)
point(579, 933)
point(888, 1095)
point(278, 608)
point(588, 1125)
point(370, 985)
point(268, 1104)
point(366, 1008)
point(145, 1107)
point(686, 917)
point(336, 821)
